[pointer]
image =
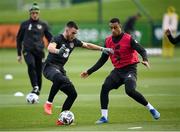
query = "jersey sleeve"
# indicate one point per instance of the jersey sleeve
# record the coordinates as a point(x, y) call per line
point(47, 32)
point(55, 39)
point(102, 60)
point(19, 38)
point(136, 46)
point(78, 43)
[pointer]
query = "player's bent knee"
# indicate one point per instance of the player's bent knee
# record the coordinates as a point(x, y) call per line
point(130, 83)
point(130, 86)
point(129, 92)
point(105, 88)
point(74, 94)
point(72, 91)
point(69, 90)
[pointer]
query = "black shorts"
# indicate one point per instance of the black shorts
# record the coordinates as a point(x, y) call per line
point(50, 70)
point(117, 77)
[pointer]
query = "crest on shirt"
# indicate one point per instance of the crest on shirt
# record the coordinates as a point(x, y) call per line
point(39, 26)
point(71, 45)
point(30, 27)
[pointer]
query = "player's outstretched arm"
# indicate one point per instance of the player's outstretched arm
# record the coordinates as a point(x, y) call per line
point(96, 47)
point(102, 60)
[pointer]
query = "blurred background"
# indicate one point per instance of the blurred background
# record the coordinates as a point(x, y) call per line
point(91, 15)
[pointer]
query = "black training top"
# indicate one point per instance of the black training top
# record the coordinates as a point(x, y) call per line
point(104, 57)
point(129, 24)
point(70, 45)
point(31, 34)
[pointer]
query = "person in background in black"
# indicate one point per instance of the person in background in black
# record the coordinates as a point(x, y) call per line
point(124, 60)
point(60, 48)
point(130, 23)
point(30, 44)
point(171, 38)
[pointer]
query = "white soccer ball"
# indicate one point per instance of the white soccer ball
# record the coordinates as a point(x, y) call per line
point(32, 98)
point(67, 117)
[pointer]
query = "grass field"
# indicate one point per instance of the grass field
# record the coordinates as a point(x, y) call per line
point(160, 85)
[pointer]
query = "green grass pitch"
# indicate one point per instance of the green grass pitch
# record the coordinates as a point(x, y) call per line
point(160, 85)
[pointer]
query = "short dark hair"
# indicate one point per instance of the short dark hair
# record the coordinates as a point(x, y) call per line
point(114, 20)
point(72, 24)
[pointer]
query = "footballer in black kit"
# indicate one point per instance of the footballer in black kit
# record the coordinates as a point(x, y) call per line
point(60, 49)
point(61, 41)
point(55, 72)
point(30, 43)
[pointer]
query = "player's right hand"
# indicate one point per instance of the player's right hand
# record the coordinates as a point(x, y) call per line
point(84, 74)
point(19, 58)
point(62, 49)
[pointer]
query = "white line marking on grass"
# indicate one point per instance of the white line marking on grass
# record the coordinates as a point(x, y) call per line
point(58, 106)
point(132, 128)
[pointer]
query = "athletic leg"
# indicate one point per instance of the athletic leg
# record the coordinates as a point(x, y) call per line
point(38, 63)
point(53, 74)
point(130, 88)
point(113, 81)
point(30, 61)
point(56, 76)
point(71, 93)
point(62, 83)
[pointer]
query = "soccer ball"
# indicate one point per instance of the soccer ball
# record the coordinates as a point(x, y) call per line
point(67, 117)
point(32, 98)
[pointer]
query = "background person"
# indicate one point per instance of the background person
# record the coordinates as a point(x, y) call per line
point(30, 44)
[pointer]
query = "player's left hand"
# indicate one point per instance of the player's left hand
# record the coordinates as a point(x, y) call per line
point(84, 74)
point(108, 51)
point(62, 49)
point(146, 64)
point(19, 58)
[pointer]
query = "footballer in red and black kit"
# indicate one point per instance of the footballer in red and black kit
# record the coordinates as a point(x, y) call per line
point(124, 60)
point(30, 43)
